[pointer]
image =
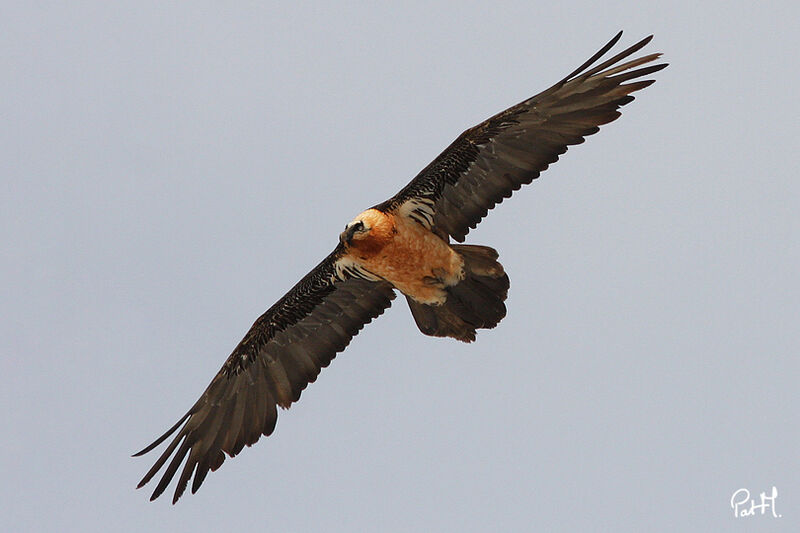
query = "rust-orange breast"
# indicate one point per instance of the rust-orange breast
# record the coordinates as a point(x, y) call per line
point(415, 260)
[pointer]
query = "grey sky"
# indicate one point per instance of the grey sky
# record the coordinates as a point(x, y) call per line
point(169, 171)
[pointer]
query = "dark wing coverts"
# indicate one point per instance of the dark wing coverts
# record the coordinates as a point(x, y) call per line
point(281, 354)
point(493, 159)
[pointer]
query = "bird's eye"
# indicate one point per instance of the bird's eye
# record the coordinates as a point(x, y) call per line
point(359, 226)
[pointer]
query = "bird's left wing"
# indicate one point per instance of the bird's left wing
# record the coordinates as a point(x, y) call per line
point(495, 158)
point(281, 354)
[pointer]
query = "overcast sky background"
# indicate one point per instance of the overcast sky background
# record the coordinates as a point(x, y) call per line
point(169, 171)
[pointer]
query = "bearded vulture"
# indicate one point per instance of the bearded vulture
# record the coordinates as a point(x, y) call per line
point(403, 244)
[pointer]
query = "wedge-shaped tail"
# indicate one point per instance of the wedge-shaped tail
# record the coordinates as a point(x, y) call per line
point(476, 302)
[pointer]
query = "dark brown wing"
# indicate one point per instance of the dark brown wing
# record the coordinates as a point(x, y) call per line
point(281, 354)
point(493, 159)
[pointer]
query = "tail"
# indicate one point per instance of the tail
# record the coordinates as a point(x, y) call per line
point(476, 302)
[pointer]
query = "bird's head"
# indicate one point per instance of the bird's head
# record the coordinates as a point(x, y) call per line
point(370, 229)
point(353, 231)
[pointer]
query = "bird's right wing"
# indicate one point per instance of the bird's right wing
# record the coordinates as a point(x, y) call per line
point(282, 353)
point(495, 158)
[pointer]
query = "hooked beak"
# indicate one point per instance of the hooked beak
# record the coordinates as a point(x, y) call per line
point(346, 237)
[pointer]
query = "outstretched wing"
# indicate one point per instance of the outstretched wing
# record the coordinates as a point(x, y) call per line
point(493, 159)
point(282, 353)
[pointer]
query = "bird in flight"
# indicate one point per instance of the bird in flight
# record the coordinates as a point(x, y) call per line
point(403, 244)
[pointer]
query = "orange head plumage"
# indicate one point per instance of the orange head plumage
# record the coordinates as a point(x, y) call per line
point(369, 232)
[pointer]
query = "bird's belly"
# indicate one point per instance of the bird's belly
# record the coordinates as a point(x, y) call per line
point(418, 263)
